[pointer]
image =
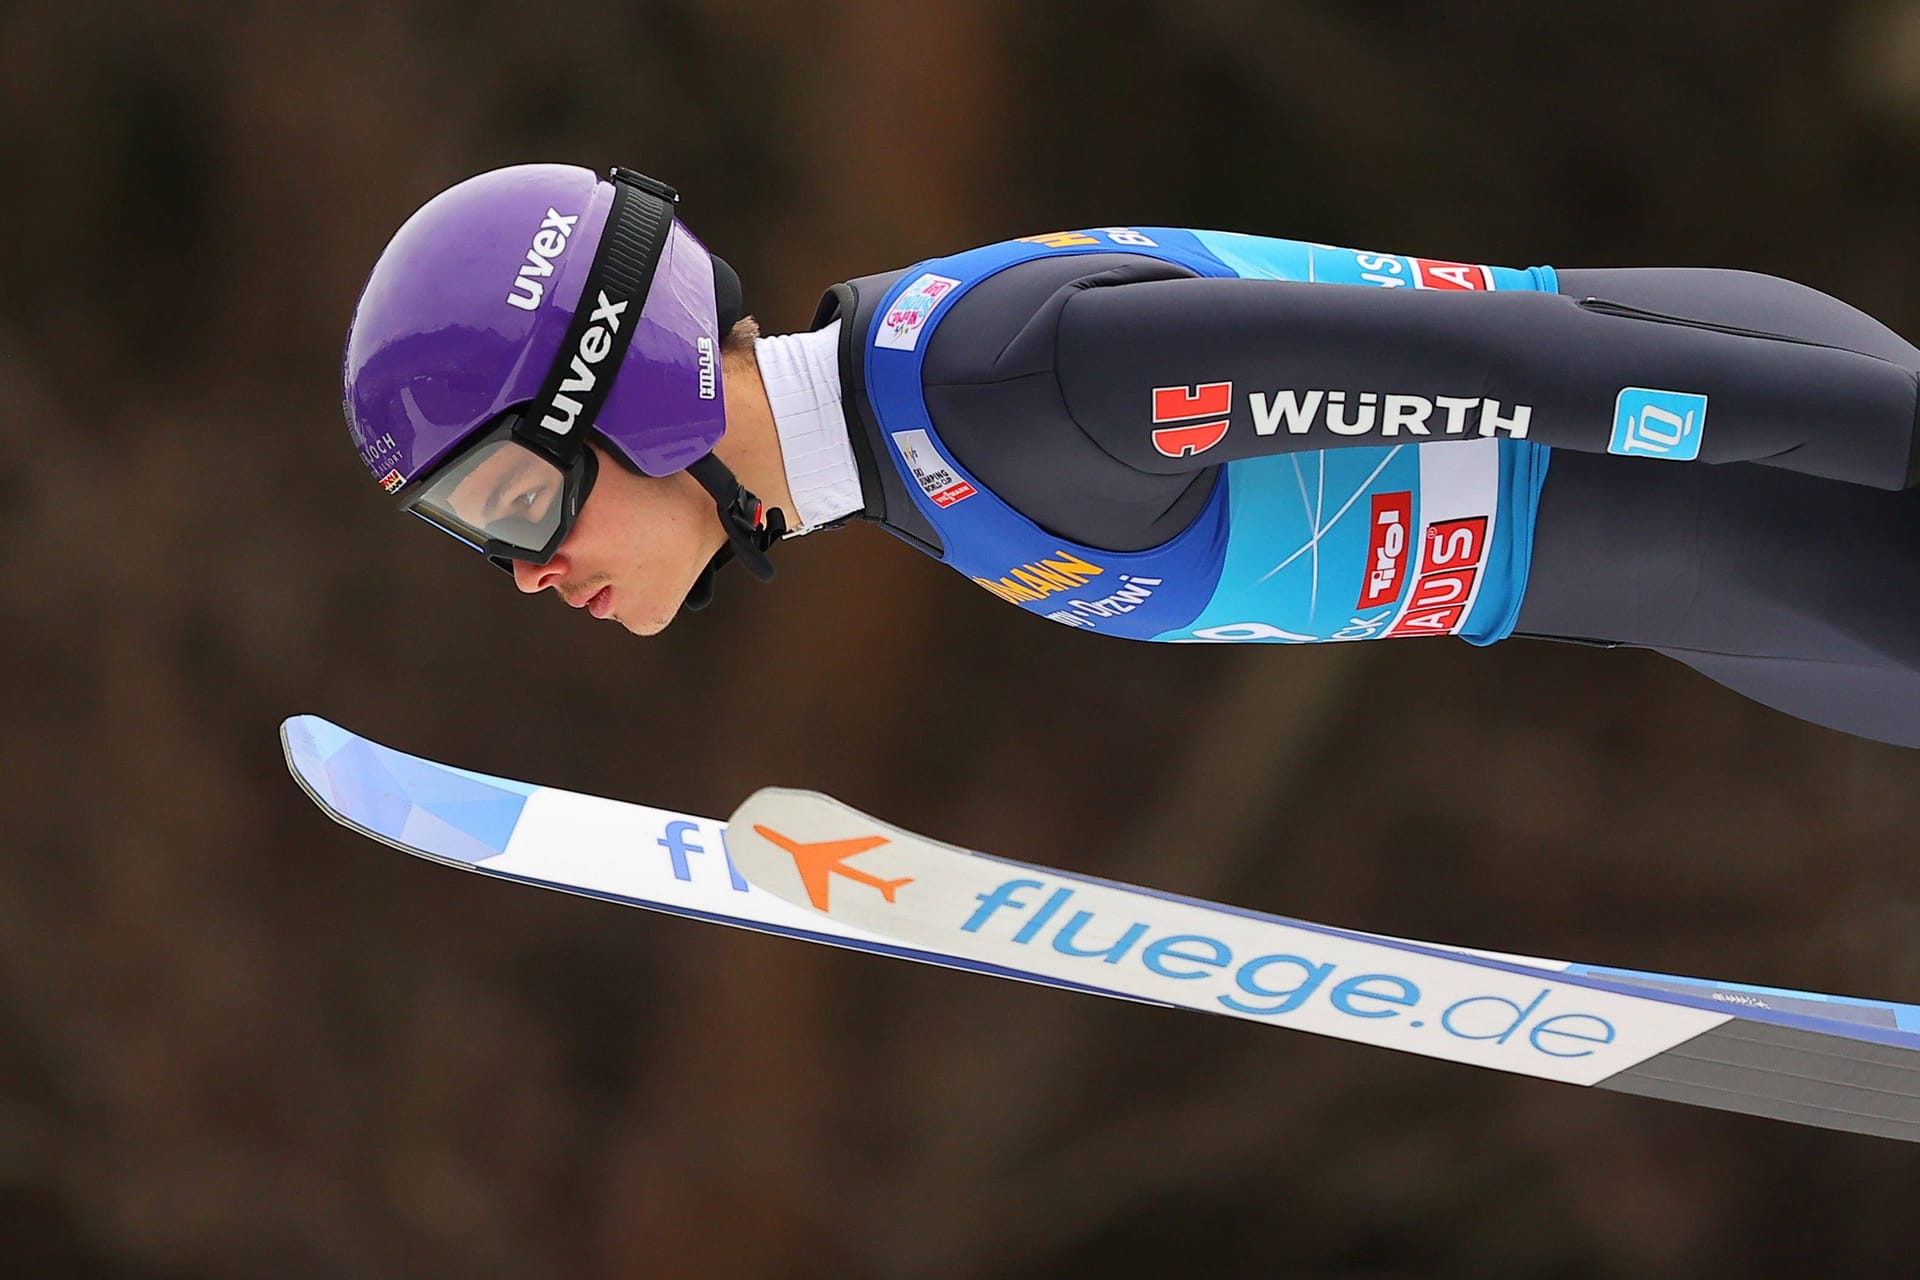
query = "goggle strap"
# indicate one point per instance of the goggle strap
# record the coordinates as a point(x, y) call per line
point(613, 297)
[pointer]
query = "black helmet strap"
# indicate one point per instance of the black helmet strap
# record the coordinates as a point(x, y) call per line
point(751, 528)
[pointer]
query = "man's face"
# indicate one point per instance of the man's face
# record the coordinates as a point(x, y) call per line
point(634, 551)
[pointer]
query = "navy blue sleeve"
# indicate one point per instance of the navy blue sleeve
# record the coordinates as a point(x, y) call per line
point(1169, 376)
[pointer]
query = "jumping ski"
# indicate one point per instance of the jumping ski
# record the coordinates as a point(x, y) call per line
point(803, 865)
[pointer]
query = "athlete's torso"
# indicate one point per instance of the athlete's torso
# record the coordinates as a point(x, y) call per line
point(964, 373)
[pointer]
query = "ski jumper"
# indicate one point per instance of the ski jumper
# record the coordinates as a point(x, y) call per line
point(1196, 436)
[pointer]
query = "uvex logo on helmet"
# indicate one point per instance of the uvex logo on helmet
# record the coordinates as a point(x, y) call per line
point(549, 242)
point(595, 343)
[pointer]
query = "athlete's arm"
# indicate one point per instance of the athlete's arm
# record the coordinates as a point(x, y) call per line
point(1290, 366)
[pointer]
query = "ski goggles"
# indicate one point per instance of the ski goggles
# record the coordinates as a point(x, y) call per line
point(506, 500)
point(515, 492)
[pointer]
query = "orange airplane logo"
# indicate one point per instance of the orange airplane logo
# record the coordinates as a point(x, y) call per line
point(818, 860)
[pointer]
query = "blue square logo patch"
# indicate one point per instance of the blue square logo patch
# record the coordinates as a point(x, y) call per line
point(1658, 424)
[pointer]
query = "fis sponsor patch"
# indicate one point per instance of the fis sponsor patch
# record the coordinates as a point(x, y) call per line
point(900, 327)
point(1658, 424)
point(936, 478)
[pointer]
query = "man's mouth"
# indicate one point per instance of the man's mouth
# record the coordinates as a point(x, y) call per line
point(600, 603)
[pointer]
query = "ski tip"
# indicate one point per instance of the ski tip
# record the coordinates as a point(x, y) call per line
point(311, 729)
point(308, 742)
point(295, 730)
point(306, 759)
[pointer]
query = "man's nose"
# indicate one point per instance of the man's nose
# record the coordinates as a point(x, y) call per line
point(538, 577)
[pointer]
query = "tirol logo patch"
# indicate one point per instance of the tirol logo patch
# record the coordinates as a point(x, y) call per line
point(1183, 405)
point(392, 480)
point(1386, 548)
point(549, 242)
point(936, 479)
point(900, 327)
point(1658, 424)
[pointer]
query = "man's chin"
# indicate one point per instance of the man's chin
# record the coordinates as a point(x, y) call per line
point(649, 627)
point(653, 615)
point(647, 619)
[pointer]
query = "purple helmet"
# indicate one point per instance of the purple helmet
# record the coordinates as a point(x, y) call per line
point(514, 315)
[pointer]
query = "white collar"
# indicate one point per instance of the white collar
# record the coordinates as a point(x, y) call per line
point(801, 372)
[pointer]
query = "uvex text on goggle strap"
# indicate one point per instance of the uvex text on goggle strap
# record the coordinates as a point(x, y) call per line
point(515, 491)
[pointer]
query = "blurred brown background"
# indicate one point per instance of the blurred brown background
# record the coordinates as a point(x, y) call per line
point(238, 1041)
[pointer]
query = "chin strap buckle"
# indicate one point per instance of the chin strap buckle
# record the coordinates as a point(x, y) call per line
point(751, 528)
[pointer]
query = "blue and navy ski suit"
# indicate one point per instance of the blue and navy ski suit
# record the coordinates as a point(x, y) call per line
point(1196, 436)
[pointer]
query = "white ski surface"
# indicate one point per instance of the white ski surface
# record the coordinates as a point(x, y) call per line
point(1831, 1061)
point(632, 854)
point(1202, 956)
